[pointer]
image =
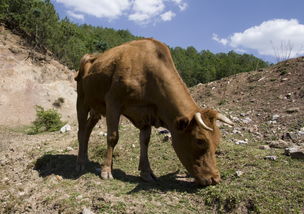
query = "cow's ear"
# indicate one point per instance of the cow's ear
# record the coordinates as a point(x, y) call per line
point(182, 123)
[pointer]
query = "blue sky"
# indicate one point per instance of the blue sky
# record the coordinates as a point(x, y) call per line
point(269, 29)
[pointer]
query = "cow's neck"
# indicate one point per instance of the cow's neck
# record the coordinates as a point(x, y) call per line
point(175, 101)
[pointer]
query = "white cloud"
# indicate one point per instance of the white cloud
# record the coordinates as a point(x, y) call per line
point(181, 4)
point(271, 38)
point(167, 16)
point(139, 11)
point(219, 40)
point(99, 8)
point(75, 15)
point(144, 10)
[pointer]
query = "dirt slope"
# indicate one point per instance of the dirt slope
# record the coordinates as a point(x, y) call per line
point(29, 78)
point(268, 102)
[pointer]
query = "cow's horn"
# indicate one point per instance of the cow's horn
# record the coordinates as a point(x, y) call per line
point(199, 120)
point(224, 119)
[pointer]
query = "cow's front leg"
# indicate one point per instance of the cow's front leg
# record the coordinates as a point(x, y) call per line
point(146, 172)
point(112, 117)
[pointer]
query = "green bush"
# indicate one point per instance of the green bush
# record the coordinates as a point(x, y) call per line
point(46, 121)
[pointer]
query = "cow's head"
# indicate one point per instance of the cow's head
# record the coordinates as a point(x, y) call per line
point(195, 141)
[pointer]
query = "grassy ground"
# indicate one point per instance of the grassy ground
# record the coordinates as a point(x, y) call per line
point(266, 186)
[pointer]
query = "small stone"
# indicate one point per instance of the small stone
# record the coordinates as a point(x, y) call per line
point(275, 117)
point(295, 152)
point(289, 136)
point(246, 120)
point(58, 177)
point(242, 114)
point(69, 148)
point(236, 131)
point(65, 128)
point(239, 173)
point(280, 144)
point(238, 142)
point(270, 157)
point(293, 110)
point(288, 96)
point(133, 145)
point(163, 131)
point(21, 193)
point(264, 147)
point(104, 134)
point(87, 211)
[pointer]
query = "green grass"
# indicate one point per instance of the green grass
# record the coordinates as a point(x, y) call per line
point(265, 187)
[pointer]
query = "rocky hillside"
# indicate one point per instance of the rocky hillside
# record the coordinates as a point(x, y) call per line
point(29, 78)
point(267, 103)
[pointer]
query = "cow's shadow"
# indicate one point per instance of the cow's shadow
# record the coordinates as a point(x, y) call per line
point(64, 166)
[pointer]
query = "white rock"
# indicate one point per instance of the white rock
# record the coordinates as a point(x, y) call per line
point(69, 148)
point(236, 131)
point(246, 120)
point(87, 211)
point(271, 157)
point(239, 173)
point(65, 128)
point(102, 134)
point(275, 117)
point(238, 142)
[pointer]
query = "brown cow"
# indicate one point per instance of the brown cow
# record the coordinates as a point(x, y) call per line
point(139, 80)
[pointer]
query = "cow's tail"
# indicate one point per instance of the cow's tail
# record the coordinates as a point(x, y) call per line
point(87, 58)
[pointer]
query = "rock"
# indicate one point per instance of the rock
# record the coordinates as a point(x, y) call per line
point(271, 157)
point(289, 136)
point(293, 110)
point(69, 148)
point(102, 134)
point(288, 96)
point(58, 177)
point(243, 114)
point(275, 117)
point(163, 131)
point(238, 142)
point(65, 128)
point(246, 120)
point(236, 131)
point(87, 211)
point(239, 173)
point(295, 152)
point(280, 144)
point(264, 147)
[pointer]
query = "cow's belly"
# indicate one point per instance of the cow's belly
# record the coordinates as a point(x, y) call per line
point(142, 115)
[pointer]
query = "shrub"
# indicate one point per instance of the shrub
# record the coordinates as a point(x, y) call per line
point(46, 121)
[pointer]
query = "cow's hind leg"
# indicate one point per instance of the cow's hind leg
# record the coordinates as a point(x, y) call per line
point(85, 127)
point(112, 118)
point(146, 172)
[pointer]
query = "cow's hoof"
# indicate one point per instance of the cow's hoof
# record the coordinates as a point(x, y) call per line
point(106, 175)
point(80, 167)
point(148, 176)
